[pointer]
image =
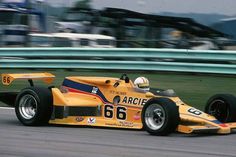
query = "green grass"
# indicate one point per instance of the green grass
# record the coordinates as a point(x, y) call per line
point(191, 88)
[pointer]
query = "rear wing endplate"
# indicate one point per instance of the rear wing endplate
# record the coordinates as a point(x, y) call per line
point(7, 79)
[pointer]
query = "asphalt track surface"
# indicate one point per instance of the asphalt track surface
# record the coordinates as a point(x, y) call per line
point(17, 140)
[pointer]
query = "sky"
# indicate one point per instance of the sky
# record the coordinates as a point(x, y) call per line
point(225, 7)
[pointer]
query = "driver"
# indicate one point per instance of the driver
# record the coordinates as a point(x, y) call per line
point(142, 83)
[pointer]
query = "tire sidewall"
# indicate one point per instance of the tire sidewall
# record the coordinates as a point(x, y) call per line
point(43, 98)
point(171, 116)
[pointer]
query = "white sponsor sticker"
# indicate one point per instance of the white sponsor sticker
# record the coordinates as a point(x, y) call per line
point(95, 90)
point(91, 120)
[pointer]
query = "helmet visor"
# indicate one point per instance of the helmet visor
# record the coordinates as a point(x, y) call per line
point(143, 85)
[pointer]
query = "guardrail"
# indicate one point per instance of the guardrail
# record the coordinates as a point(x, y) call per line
point(129, 59)
point(144, 53)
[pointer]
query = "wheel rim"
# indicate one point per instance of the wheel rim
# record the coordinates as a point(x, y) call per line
point(219, 109)
point(155, 116)
point(28, 106)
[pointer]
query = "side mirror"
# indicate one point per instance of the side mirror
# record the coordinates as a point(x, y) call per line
point(124, 77)
point(149, 94)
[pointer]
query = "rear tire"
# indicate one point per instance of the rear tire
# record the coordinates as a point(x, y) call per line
point(222, 107)
point(160, 116)
point(33, 106)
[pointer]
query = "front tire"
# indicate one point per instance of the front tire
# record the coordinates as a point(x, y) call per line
point(222, 107)
point(33, 106)
point(160, 116)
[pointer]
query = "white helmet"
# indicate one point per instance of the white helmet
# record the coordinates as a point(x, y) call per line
point(142, 83)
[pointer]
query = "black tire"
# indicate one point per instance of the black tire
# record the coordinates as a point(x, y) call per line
point(222, 107)
point(164, 119)
point(33, 106)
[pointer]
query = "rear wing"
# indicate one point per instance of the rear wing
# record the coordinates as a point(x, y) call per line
point(7, 79)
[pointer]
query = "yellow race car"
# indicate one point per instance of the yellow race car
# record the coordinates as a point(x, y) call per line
point(116, 102)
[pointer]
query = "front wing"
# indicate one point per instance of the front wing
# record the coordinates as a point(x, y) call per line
point(196, 121)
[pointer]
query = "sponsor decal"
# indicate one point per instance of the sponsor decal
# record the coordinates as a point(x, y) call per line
point(122, 124)
point(95, 90)
point(91, 120)
point(79, 119)
point(137, 116)
point(117, 92)
point(134, 101)
point(126, 124)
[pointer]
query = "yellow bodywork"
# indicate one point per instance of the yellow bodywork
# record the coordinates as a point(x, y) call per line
point(114, 102)
point(130, 104)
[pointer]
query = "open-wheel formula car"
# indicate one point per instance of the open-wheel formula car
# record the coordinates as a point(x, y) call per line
point(116, 102)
